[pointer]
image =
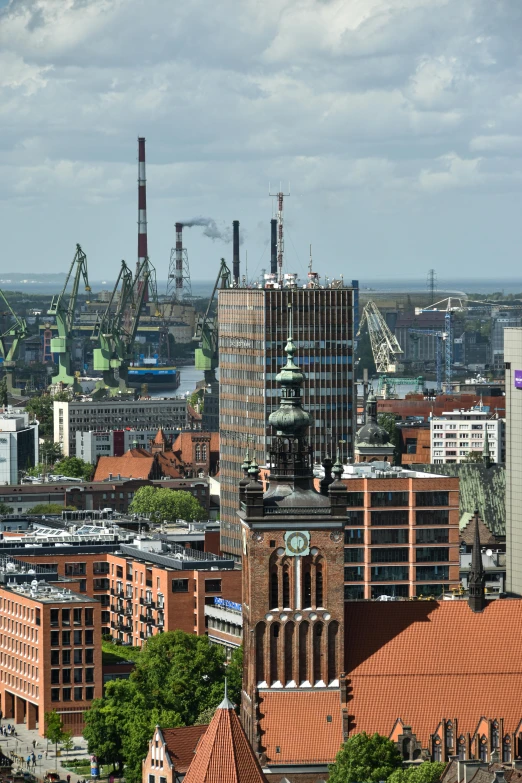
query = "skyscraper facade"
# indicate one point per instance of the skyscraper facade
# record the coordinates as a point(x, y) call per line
point(253, 326)
point(513, 371)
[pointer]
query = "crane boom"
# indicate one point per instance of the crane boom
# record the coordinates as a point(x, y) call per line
point(18, 331)
point(385, 346)
point(63, 310)
point(207, 329)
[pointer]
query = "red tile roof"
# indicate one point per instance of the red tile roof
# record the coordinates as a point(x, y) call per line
point(135, 463)
point(181, 744)
point(224, 754)
point(160, 437)
point(297, 723)
point(422, 661)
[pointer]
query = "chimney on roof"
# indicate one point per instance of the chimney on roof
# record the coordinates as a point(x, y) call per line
point(477, 575)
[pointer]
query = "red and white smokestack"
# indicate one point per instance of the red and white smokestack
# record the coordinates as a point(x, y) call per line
point(142, 203)
point(179, 255)
point(235, 252)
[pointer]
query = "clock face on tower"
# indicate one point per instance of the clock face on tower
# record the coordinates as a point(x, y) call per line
point(297, 543)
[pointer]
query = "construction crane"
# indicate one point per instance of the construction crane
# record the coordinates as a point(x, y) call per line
point(17, 331)
point(441, 336)
point(107, 333)
point(63, 310)
point(206, 355)
point(385, 346)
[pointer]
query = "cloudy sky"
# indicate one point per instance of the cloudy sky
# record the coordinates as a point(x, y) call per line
point(397, 125)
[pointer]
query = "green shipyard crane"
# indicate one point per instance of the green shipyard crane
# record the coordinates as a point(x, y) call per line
point(107, 333)
point(17, 331)
point(143, 284)
point(207, 335)
point(63, 310)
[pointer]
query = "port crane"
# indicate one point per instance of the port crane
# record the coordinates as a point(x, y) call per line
point(63, 310)
point(207, 335)
point(107, 333)
point(17, 332)
point(385, 346)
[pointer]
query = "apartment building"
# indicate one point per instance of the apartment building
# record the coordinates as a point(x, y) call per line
point(253, 330)
point(224, 621)
point(402, 533)
point(456, 434)
point(18, 446)
point(91, 444)
point(169, 413)
point(50, 650)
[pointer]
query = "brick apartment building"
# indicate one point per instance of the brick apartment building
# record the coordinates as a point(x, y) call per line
point(50, 652)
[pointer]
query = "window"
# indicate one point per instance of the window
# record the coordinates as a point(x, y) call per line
point(426, 573)
point(75, 569)
point(89, 675)
point(390, 574)
point(89, 637)
point(353, 573)
point(66, 638)
point(353, 592)
point(89, 694)
point(427, 554)
point(385, 518)
point(55, 617)
point(78, 675)
point(432, 536)
point(100, 568)
point(66, 676)
point(389, 536)
point(55, 694)
point(394, 591)
point(89, 617)
point(78, 654)
point(355, 499)
point(78, 637)
point(355, 518)
point(77, 615)
point(212, 585)
point(66, 616)
point(55, 638)
point(78, 694)
point(432, 517)
point(389, 499)
point(89, 656)
point(55, 657)
point(354, 555)
point(66, 694)
point(432, 498)
point(180, 585)
point(66, 657)
point(354, 536)
point(389, 555)
point(100, 584)
point(55, 676)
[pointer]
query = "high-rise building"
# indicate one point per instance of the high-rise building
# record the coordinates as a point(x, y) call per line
point(497, 339)
point(253, 325)
point(458, 433)
point(513, 365)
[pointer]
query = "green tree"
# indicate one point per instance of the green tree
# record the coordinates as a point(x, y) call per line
point(365, 758)
point(104, 728)
point(427, 772)
point(50, 508)
point(5, 509)
point(50, 452)
point(74, 467)
point(473, 456)
point(67, 741)
point(161, 503)
point(4, 394)
point(388, 421)
point(54, 730)
point(41, 408)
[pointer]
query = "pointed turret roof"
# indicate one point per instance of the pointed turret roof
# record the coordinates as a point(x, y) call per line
point(486, 454)
point(224, 754)
point(477, 574)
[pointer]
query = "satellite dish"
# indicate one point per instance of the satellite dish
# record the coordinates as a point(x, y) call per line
point(489, 552)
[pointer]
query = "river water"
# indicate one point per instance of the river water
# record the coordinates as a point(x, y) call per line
point(189, 378)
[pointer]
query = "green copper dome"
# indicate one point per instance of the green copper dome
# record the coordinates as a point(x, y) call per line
point(290, 418)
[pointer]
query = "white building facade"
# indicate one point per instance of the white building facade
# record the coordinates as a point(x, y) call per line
point(18, 446)
point(457, 433)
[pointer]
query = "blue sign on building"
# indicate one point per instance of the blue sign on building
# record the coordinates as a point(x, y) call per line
point(227, 604)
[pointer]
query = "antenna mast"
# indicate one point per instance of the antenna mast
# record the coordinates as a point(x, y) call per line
point(280, 236)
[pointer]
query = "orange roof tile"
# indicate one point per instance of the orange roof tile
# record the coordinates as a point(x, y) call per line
point(224, 754)
point(297, 723)
point(422, 661)
point(160, 437)
point(135, 463)
point(181, 744)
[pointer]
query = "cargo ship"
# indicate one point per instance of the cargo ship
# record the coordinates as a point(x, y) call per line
point(157, 376)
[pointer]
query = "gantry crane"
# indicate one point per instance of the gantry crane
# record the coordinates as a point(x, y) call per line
point(107, 333)
point(17, 331)
point(206, 355)
point(385, 346)
point(63, 310)
point(143, 283)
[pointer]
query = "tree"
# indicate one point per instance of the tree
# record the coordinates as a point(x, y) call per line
point(161, 503)
point(50, 452)
point(50, 508)
point(4, 394)
point(389, 422)
point(365, 758)
point(5, 509)
point(41, 408)
point(54, 730)
point(104, 728)
point(427, 772)
point(473, 456)
point(67, 741)
point(74, 467)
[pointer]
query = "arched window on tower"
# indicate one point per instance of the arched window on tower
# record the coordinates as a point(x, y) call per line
point(303, 652)
point(204, 453)
point(274, 588)
point(333, 632)
point(461, 748)
point(260, 653)
point(307, 587)
point(449, 734)
point(274, 653)
point(437, 748)
point(286, 586)
point(289, 653)
point(198, 453)
point(318, 641)
point(506, 749)
point(319, 584)
point(495, 735)
point(483, 748)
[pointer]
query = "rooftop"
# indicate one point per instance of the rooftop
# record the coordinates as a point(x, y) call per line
point(378, 470)
point(181, 745)
point(45, 593)
point(179, 558)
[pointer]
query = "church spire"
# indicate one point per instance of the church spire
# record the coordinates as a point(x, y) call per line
point(477, 575)
point(486, 455)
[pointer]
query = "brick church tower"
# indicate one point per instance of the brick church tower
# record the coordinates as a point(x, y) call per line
point(293, 556)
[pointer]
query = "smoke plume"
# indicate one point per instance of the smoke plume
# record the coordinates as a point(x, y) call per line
point(211, 229)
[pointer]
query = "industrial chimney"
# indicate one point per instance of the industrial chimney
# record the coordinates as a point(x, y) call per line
point(235, 252)
point(179, 255)
point(142, 203)
point(273, 246)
